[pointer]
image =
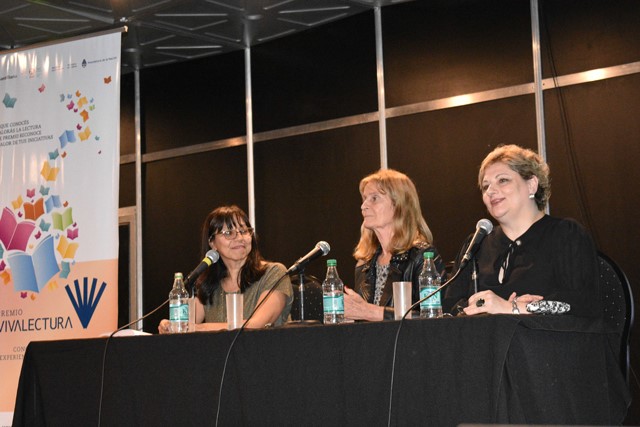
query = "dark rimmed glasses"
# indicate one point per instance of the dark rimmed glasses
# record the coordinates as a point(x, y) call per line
point(232, 234)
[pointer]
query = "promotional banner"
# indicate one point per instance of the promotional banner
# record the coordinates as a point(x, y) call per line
point(59, 172)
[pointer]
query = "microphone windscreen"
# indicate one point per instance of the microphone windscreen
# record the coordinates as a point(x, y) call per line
point(486, 225)
point(324, 247)
point(213, 255)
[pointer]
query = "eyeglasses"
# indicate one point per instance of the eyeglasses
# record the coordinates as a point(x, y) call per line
point(232, 234)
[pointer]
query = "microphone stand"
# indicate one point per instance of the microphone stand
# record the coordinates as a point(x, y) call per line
point(395, 344)
point(474, 275)
point(301, 292)
point(301, 302)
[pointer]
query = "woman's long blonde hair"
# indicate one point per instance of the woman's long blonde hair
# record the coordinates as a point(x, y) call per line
point(409, 226)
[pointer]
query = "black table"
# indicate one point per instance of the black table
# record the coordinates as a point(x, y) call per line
point(484, 369)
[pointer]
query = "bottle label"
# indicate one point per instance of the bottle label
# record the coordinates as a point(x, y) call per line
point(433, 302)
point(179, 312)
point(333, 304)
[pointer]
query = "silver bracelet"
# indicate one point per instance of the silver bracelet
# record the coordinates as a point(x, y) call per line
point(548, 307)
point(514, 306)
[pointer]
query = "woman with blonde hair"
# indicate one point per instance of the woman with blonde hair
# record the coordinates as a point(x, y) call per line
point(393, 238)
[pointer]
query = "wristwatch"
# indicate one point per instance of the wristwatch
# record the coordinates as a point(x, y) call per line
point(514, 306)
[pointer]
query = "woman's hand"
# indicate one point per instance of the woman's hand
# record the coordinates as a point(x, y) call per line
point(356, 308)
point(489, 302)
point(522, 301)
point(164, 326)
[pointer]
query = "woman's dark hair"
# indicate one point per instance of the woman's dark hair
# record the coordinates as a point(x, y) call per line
point(253, 269)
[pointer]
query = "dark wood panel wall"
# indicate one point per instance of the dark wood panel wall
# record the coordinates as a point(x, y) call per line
point(306, 186)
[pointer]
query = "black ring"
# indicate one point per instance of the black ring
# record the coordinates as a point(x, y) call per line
point(480, 303)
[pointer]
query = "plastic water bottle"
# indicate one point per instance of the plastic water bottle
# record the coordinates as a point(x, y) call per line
point(333, 294)
point(429, 281)
point(178, 305)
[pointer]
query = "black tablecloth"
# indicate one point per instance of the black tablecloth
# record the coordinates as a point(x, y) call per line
point(485, 369)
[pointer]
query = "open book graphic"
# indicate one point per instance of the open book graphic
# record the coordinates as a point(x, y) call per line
point(33, 272)
point(85, 134)
point(52, 202)
point(14, 234)
point(35, 210)
point(17, 202)
point(48, 172)
point(66, 248)
point(66, 137)
point(62, 220)
point(8, 101)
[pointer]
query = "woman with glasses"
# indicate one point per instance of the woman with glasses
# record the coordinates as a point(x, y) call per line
point(241, 268)
point(531, 262)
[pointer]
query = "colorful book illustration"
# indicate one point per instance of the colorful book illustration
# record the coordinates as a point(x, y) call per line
point(67, 249)
point(33, 272)
point(72, 233)
point(66, 137)
point(52, 203)
point(17, 202)
point(85, 134)
point(65, 269)
point(8, 101)
point(85, 115)
point(14, 234)
point(82, 102)
point(44, 225)
point(62, 220)
point(48, 172)
point(33, 211)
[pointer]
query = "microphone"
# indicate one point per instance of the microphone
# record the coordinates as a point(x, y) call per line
point(211, 257)
point(322, 248)
point(483, 227)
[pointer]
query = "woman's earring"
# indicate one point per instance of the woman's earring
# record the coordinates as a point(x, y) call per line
point(531, 196)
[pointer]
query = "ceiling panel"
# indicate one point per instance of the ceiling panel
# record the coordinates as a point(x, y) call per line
point(167, 31)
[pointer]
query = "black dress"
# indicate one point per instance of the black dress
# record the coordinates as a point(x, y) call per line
point(555, 258)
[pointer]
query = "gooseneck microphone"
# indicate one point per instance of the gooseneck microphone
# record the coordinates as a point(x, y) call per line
point(483, 227)
point(211, 257)
point(322, 248)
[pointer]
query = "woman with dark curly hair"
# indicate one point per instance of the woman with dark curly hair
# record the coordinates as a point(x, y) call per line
point(241, 269)
point(531, 262)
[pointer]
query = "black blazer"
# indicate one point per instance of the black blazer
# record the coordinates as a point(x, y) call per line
point(404, 266)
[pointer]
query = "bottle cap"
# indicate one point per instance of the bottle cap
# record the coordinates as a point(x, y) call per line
point(332, 263)
point(428, 255)
point(177, 275)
